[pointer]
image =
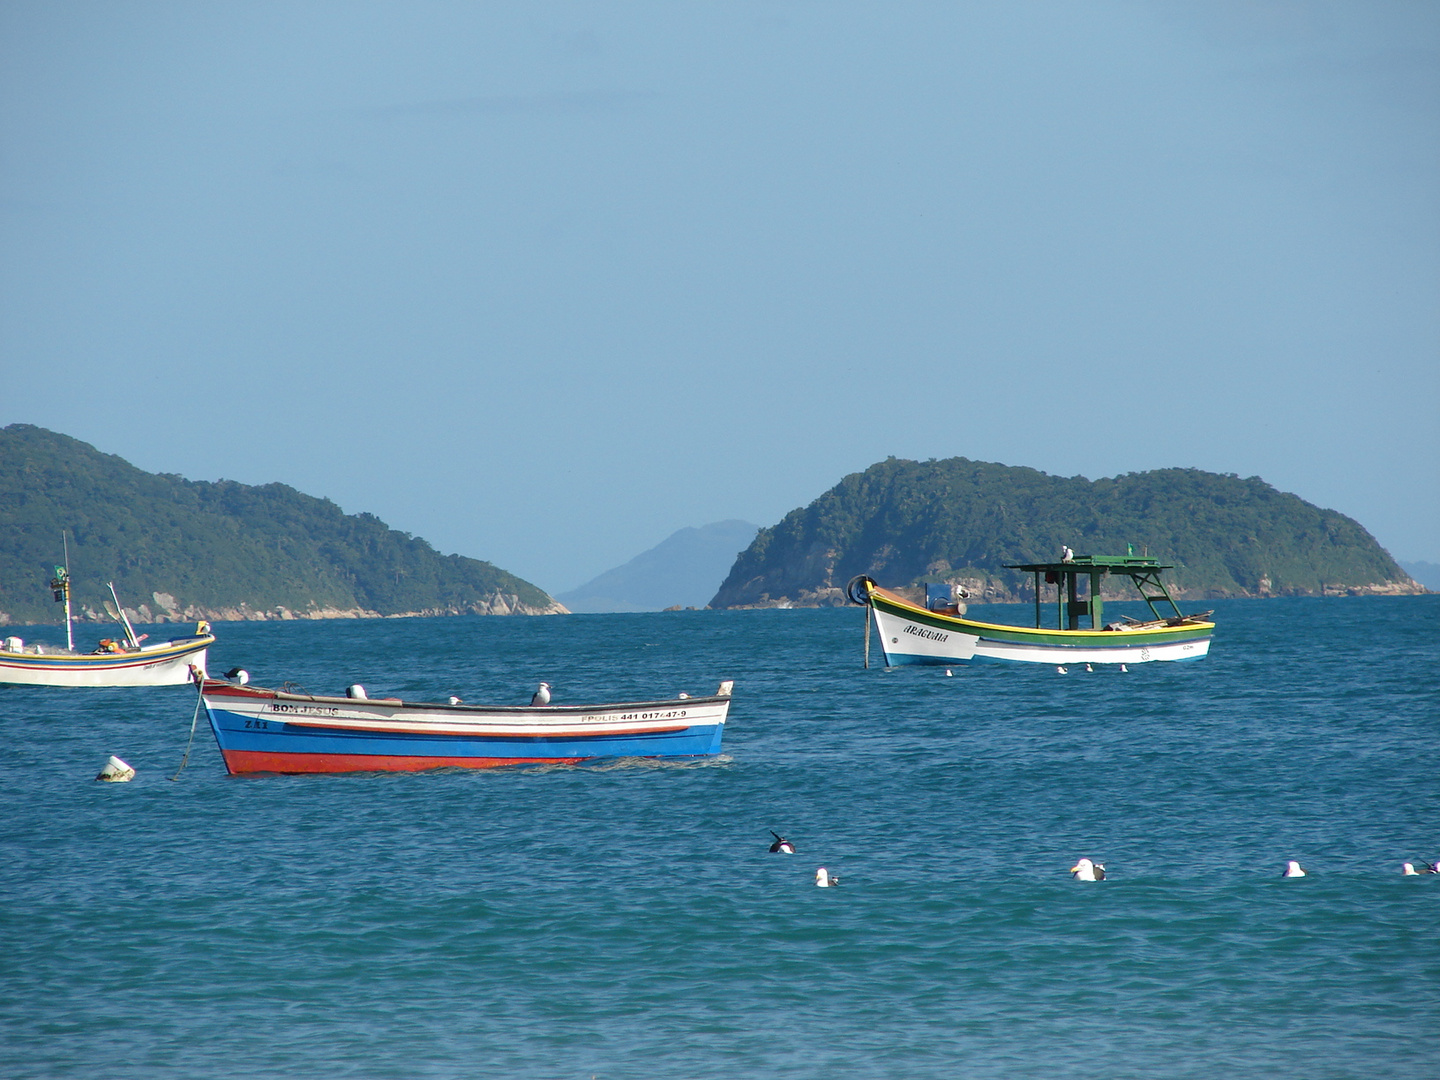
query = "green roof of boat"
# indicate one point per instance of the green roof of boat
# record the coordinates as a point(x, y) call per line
point(1121, 564)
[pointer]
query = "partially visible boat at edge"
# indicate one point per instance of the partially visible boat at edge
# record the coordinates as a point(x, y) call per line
point(282, 731)
point(939, 633)
point(129, 662)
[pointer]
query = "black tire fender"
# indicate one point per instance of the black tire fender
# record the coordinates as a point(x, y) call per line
point(857, 591)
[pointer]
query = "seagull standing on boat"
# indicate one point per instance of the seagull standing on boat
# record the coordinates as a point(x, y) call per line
point(781, 845)
point(240, 675)
point(824, 879)
point(1292, 869)
point(542, 695)
point(1085, 870)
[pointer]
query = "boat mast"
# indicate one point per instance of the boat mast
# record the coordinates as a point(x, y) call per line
point(60, 584)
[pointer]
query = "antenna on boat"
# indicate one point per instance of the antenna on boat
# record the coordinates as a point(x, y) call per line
point(125, 622)
point(60, 584)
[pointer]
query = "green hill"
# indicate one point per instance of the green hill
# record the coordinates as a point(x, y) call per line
point(183, 549)
point(903, 522)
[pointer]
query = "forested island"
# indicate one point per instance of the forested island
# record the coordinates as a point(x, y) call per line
point(956, 520)
point(180, 550)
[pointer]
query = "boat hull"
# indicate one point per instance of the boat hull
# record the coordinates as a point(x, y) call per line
point(261, 730)
point(167, 664)
point(911, 635)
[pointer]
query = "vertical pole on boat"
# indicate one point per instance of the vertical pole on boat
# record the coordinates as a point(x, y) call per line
point(69, 635)
point(867, 636)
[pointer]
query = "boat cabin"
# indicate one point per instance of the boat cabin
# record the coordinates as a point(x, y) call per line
point(1066, 576)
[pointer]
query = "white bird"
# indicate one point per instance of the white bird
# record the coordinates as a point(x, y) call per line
point(455, 700)
point(1292, 869)
point(949, 674)
point(824, 879)
point(1124, 668)
point(1085, 870)
point(1089, 668)
point(239, 675)
point(1066, 555)
point(1061, 669)
point(1431, 868)
point(781, 845)
point(1408, 869)
point(542, 695)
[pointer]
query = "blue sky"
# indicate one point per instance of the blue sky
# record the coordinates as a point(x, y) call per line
point(545, 282)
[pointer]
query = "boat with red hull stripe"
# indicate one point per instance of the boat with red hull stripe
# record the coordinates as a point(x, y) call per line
point(281, 731)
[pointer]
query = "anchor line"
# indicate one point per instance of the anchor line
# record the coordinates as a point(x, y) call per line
point(199, 699)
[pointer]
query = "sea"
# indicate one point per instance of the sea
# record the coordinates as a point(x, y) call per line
point(626, 919)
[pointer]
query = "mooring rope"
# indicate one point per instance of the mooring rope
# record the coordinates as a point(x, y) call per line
point(199, 700)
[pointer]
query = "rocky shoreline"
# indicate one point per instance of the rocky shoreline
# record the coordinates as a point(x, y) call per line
point(166, 610)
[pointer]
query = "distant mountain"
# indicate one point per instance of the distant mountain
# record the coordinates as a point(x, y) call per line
point(903, 522)
point(682, 570)
point(182, 549)
point(1426, 573)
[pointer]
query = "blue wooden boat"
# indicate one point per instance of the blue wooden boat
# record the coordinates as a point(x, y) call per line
point(280, 731)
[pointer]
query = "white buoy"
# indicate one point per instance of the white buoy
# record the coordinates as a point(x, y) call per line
point(116, 771)
point(1292, 869)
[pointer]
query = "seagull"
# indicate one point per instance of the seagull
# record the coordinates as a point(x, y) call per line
point(1124, 668)
point(542, 695)
point(237, 674)
point(783, 846)
point(1085, 870)
point(1292, 869)
point(949, 674)
point(1431, 868)
point(1061, 669)
point(1089, 668)
point(455, 700)
point(1409, 870)
point(824, 879)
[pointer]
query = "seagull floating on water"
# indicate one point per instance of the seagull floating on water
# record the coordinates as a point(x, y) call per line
point(824, 879)
point(1061, 669)
point(455, 700)
point(1292, 869)
point(1085, 870)
point(542, 696)
point(783, 846)
point(1408, 869)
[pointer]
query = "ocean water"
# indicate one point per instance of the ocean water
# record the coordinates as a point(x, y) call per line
point(626, 920)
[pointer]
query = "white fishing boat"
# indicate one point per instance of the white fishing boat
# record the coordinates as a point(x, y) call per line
point(938, 633)
point(128, 661)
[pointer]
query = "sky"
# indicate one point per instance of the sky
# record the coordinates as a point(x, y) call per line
point(546, 282)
